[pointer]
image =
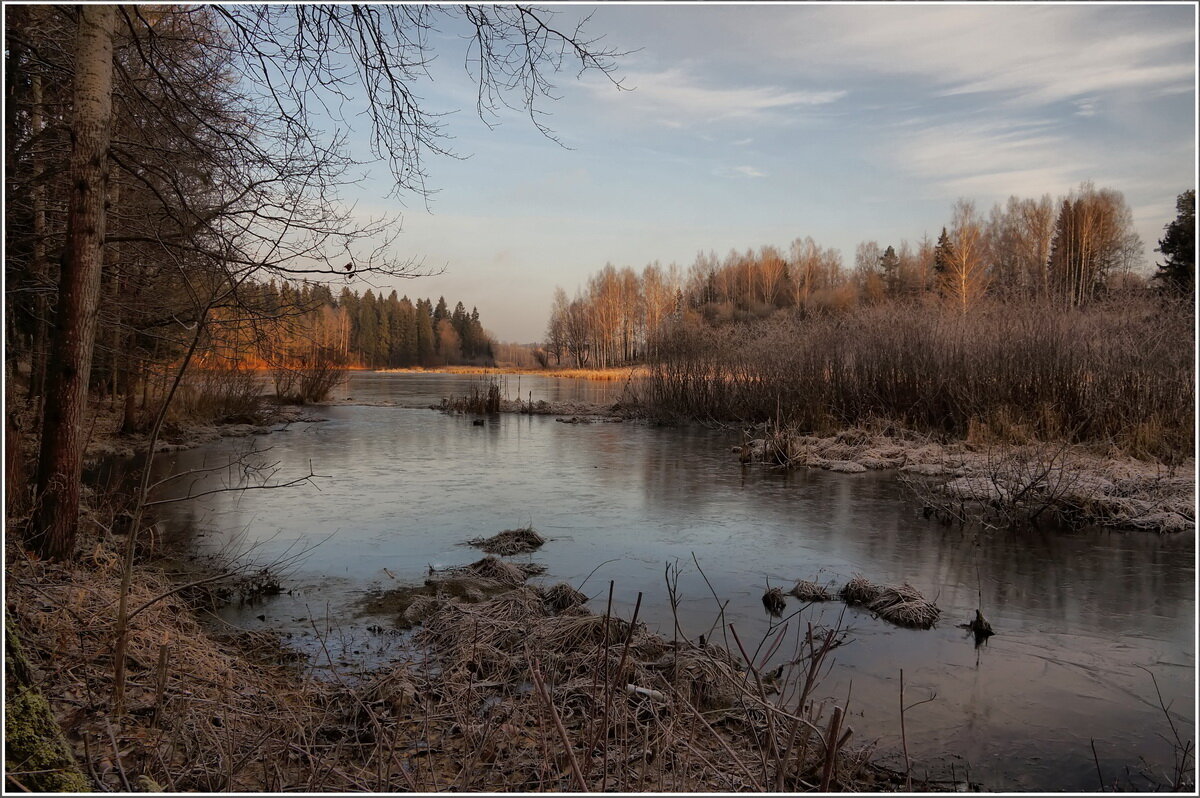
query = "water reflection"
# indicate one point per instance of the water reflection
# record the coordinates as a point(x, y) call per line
point(1077, 616)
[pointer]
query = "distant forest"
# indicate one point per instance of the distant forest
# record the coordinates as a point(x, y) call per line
point(1067, 253)
point(303, 324)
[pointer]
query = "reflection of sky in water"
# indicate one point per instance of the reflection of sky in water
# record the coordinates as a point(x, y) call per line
point(1077, 615)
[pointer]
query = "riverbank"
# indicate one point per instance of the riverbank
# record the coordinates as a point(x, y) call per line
point(106, 440)
point(614, 706)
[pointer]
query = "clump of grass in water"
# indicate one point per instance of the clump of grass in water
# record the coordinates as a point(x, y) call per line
point(810, 591)
point(521, 540)
point(902, 605)
point(481, 400)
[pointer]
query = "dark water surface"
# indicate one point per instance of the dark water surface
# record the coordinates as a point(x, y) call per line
point(1082, 619)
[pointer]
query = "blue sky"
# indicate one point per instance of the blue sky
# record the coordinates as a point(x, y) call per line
point(757, 124)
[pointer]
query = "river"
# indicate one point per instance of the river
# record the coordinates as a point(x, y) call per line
point(1082, 619)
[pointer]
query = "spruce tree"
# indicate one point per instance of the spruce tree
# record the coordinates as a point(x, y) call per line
point(889, 264)
point(426, 346)
point(943, 253)
point(1178, 244)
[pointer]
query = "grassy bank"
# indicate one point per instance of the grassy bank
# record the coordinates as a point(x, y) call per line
point(598, 375)
point(1115, 375)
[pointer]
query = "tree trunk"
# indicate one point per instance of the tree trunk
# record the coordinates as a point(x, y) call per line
point(37, 360)
point(69, 367)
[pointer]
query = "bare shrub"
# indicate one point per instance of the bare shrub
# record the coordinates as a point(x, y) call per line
point(1022, 487)
point(226, 395)
point(310, 377)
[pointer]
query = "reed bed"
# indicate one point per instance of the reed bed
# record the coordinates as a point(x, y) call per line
point(595, 375)
point(614, 706)
point(1119, 374)
point(562, 597)
point(492, 568)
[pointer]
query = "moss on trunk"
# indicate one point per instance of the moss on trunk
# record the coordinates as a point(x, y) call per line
point(36, 755)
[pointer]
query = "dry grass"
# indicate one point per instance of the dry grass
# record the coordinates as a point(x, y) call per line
point(562, 597)
point(774, 601)
point(859, 590)
point(201, 714)
point(493, 569)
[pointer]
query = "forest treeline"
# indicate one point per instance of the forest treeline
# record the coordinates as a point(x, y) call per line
point(305, 324)
point(1067, 252)
point(1032, 324)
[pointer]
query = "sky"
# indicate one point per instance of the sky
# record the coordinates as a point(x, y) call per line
point(751, 125)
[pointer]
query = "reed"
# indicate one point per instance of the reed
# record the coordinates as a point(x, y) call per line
point(483, 399)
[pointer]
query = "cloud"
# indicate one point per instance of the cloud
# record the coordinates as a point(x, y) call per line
point(988, 157)
point(672, 96)
point(738, 172)
point(1030, 55)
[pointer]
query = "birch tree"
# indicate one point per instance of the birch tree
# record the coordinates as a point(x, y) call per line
point(964, 280)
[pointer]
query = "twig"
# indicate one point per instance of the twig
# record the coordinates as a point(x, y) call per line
point(831, 748)
point(562, 732)
point(1096, 759)
point(620, 669)
point(904, 738)
point(117, 757)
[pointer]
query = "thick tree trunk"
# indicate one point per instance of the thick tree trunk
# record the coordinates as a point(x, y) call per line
point(69, 367)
